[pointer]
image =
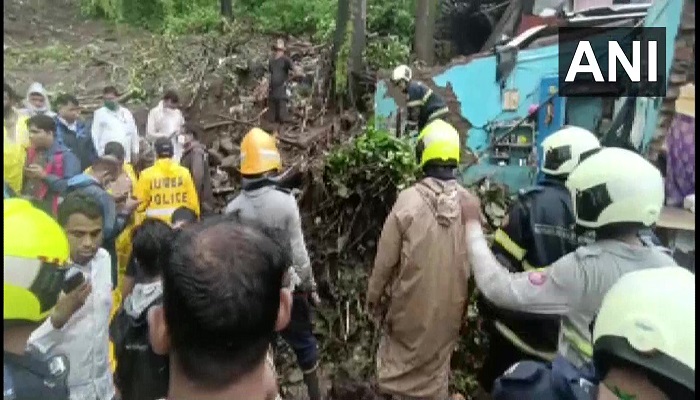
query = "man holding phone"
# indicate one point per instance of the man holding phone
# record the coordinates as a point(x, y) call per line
point(80, 328)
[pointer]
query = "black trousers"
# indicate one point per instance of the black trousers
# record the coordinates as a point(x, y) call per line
point(277, 111)
point(299, 333)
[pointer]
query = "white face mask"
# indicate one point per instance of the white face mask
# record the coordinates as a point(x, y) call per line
point(181, 139)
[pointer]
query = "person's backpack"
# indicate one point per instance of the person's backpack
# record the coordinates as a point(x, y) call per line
point(140, 374)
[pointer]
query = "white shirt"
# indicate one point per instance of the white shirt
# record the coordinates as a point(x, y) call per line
point(115, 126)
point(164, 122)
point(85, 337)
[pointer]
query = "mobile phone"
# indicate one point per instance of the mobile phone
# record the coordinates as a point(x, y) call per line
point(74, 278)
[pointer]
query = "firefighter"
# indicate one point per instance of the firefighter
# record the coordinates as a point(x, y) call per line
point(616, 193)
point(637, 314)
point(264, 202)
point(166, 186)
point(422, 103)
point(538, 230)
point(36, 253)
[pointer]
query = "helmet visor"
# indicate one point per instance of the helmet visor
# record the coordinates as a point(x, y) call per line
point(556, 156)
point(591, 202)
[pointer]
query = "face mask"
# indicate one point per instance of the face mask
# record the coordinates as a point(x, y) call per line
point(111, 105)
point(181, 139)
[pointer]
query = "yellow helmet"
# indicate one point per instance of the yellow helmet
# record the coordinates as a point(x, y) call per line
point(36, 253)
point(438, 141)
point(259, 153)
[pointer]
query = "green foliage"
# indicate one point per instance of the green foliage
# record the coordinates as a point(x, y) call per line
point(295, 17)
point(386, 52)
point(390, 23)
point(374, 160)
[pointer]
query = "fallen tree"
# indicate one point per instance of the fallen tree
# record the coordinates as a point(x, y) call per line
point(347, 195)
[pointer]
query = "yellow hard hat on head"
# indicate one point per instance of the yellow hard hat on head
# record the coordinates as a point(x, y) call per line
point(36, 253)
point(259, 153)
point(438, 141)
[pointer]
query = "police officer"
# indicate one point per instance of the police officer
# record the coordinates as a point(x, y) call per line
point(422, 103)
point(538, 230)
point(36, 251)
point(637, 314)
point(616, 193)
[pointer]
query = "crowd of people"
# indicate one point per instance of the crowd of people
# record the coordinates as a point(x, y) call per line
point(122, 283)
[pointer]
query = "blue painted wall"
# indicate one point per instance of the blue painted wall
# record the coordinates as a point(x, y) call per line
point(479, 95)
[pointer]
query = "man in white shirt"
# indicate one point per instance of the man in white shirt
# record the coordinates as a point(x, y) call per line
point(114, 123)
point(83, 335)
point(166, 120)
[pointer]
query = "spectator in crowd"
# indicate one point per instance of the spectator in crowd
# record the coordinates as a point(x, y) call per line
point(166, 185)
point(72, 131)
point(37, 101)
point(121, 190)
point(16, 140)
point(142, 374)
point(94, 182)
point(166, 120)
point(196, 160)
point(83, 335)
point(49, 164)
point(114, 123)
point(182, 217)
point(223, 300)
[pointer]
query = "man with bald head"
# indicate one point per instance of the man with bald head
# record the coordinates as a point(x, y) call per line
point(223, 301)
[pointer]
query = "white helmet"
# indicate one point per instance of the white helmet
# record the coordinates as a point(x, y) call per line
point(401, 73)
point(562, 150)
point(648, 319)
point(615, 185)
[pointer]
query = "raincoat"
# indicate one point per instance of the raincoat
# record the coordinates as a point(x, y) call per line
point(165, 122)
point(421, 267)
point(163, 188)
point(30, 110)
point(115, 126)
point(15, 144)
point(85, 337)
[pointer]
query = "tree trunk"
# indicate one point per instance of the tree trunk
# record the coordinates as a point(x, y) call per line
point(227, 9)
point(341, 25)
point(357, 48)
point(426, 11)
point(359, 33)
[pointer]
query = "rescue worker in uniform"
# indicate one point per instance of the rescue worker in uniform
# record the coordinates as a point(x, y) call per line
point(165, 187)
point(422, 103)
point(36, 253)
point(418, 290)
point(616, 193)
point(538, 230)
point(637, 314)
point(264, 201)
